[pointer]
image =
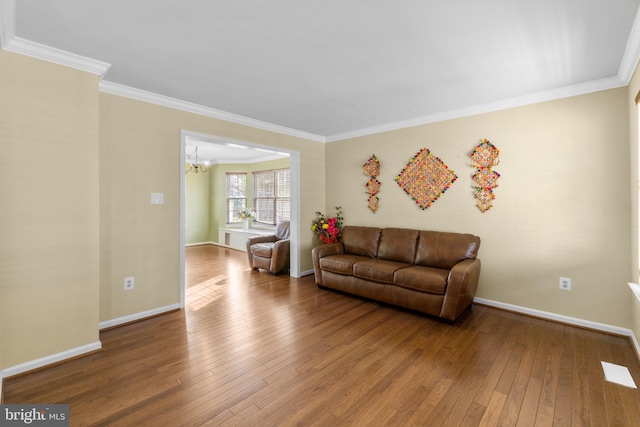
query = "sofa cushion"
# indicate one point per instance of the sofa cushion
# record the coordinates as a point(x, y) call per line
point(361, 241)
point(340, 264)
point(377, 270)
point(398, 244)
point(422, 279)
point(444, 250)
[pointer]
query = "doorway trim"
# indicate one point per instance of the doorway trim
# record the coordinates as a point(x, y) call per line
point(294, 168)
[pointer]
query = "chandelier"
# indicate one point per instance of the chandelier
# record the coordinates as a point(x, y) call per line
point(196, 167)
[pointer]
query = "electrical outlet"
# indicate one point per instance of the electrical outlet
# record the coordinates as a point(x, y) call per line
point(129, 283)
point(565, 283)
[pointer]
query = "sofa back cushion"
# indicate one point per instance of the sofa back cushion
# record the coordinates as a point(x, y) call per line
point(283, 230)
point(444, 250)
point(361, 241)
point(398, 244)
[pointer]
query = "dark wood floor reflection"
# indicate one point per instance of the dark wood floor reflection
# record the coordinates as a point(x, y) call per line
point(253, 349)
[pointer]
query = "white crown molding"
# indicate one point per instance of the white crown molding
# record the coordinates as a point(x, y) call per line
point(631, 52)
point(11, 43)
point(563, 92)
point(7, 21)
point(57, 56)
point(154, 98)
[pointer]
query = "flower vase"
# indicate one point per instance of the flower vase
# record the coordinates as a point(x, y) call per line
point(246, 224)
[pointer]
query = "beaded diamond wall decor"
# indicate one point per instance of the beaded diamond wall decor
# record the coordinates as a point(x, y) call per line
point(484, 158)
point(373, 203)
point(372, 166)
point(425, 178)
point(372, 170)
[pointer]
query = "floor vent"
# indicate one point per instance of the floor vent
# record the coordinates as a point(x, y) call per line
point(618, 374)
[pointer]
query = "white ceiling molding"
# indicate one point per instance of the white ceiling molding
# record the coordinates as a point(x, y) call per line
point(11, 43)
point(563, 92)
point(7, 21)
point(165, 101)
point(57, 56)
point(631, 52)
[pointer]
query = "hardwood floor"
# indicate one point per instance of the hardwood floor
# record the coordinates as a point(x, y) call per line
point(253, 349)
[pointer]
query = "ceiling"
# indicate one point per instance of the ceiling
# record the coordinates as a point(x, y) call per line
point(218, 151)
point(333, 69)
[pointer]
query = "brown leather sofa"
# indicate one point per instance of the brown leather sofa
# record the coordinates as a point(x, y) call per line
point(429, 271)
point(270, 252)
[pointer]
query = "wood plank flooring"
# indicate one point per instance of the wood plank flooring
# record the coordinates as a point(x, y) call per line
point(252, 349)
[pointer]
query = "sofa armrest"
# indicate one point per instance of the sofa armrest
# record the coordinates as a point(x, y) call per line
point(280, 256)
point(461, 288)
point(321, 252)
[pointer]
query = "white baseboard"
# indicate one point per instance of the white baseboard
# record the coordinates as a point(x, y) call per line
point(49, 360)
point(138, 316)
point(563, 319)
point(306, 273)
point(78, 351)
point(200, 243)
point(635, 343)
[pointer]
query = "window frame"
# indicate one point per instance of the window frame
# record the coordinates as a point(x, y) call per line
point(276, 200)
point(229, 210)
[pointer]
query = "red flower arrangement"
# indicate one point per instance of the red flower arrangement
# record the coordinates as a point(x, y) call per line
point(328, 229)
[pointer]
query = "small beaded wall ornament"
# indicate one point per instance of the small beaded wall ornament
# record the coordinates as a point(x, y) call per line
point(372, 170)
point(484, 158)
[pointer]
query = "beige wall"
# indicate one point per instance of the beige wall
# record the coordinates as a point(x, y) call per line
point(49, 209)
point(562, 206)
point(142, 240)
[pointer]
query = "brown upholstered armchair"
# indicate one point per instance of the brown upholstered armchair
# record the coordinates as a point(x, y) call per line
point(270, 252)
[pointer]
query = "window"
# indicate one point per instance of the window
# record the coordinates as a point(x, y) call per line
point(271, 195)
point(236, 196)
